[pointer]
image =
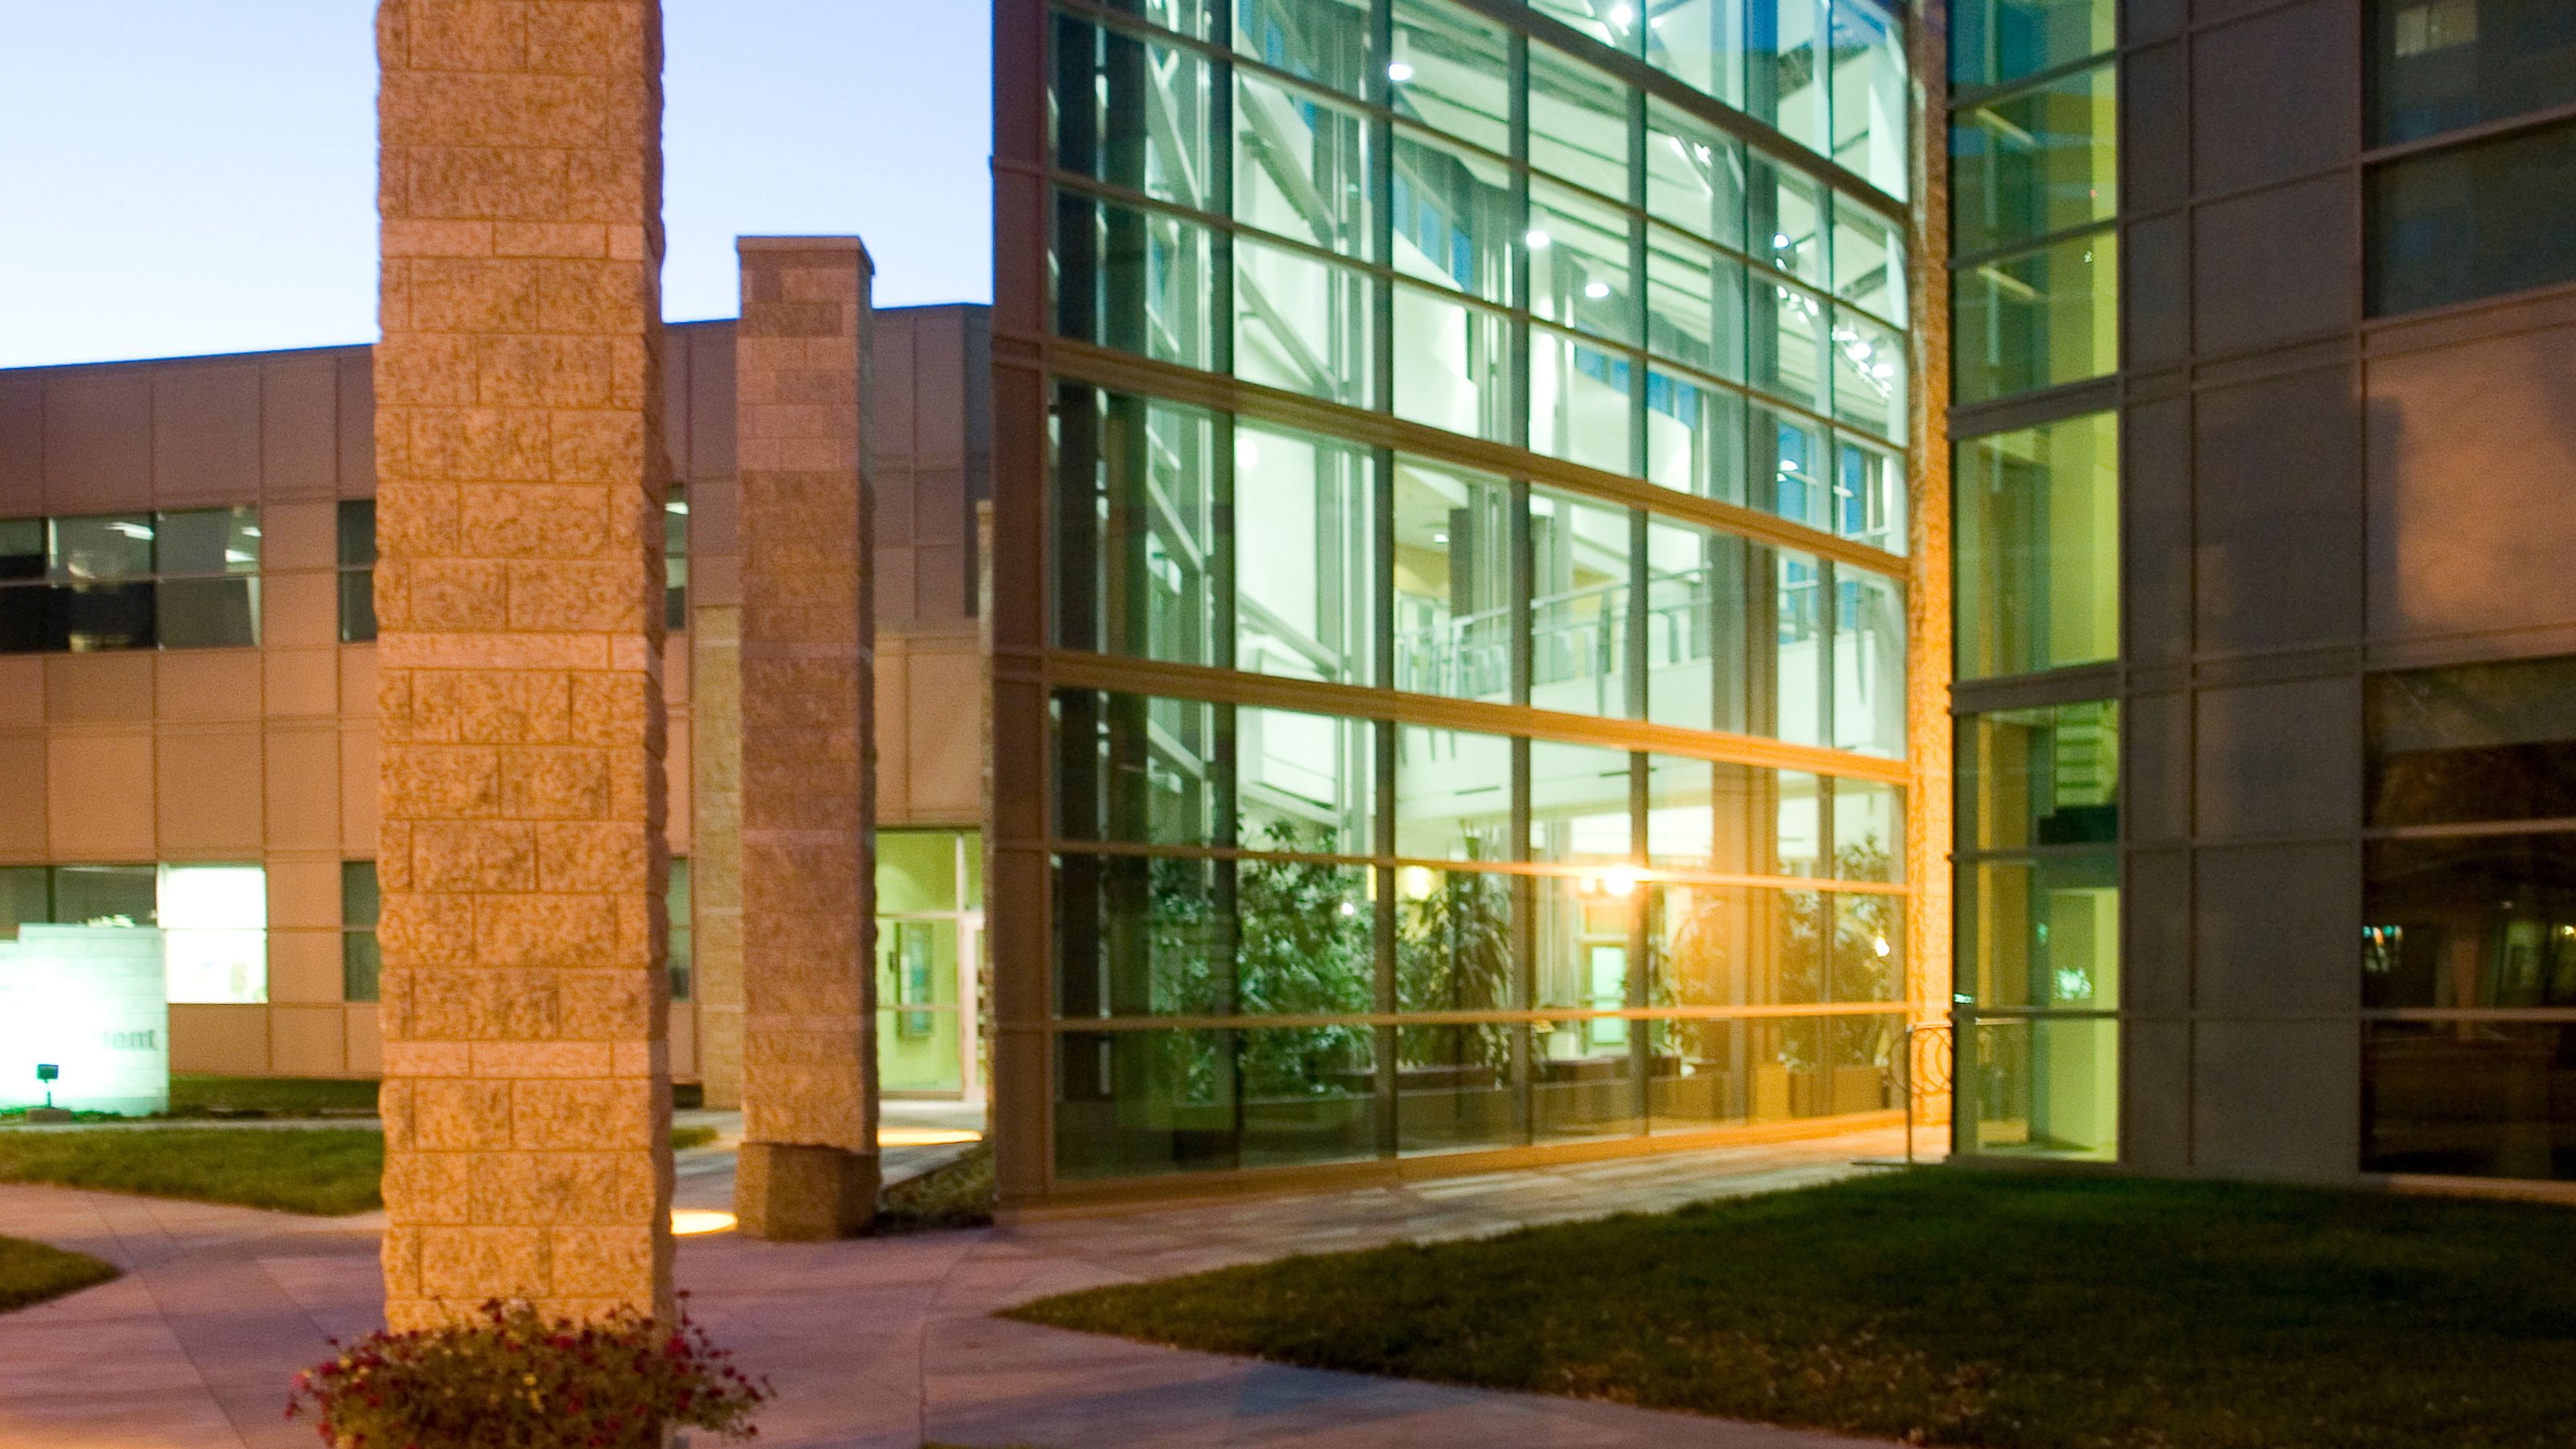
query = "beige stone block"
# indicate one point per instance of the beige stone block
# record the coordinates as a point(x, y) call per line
point(416, 517)
point(572, 1115)
point(400, 1253)
point(456, 1115)
point(467, 35)
point(99, 796)
point(615, 1264)
point(302, 788)
point(427, 930)
point(511, 706)
point(224, 1040)
point(113, 688)
point(589, 856)
point(452, 856)
point(431, 1059)
point(797, 1193)
point(609, 1004)
point(517, 1060)
point(549, 238)
point(303, 683)
point(556, 1189)
point(304, 967)
point(442, 782)
point(564, 783)
point(576, 596)
point(532, 931)
point(22, 805)
point(611, 710)
point(306, 1041)
point(478, 1262)
point(430, 1189)
point(676, 764)
point(587, 39)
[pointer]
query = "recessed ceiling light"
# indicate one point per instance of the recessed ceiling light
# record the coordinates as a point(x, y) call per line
point(1596, 290)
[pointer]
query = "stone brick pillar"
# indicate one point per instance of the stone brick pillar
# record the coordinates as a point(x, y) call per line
point(808, 1167)
point(520, 476)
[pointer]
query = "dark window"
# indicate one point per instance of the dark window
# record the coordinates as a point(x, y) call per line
point(2476, 220)
point(180, 580)
point(357, 571)
point(2439, 65)
point(361, 960)
point(2470, 923)
point(2470, 1098)
point(2482, 742)
point(675, 559)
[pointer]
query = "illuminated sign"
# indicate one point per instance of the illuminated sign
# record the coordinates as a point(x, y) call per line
point(90, 1001)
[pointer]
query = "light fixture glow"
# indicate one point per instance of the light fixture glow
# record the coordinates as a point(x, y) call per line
point(1596, 290)
point(1622, 15)
point(1879, 944)
point(1439, 538)
point(1537, 239)
point(690, 1222)
point(926, 1136)
point(1414, 881)
point(1399, 71)
point(1780, 240)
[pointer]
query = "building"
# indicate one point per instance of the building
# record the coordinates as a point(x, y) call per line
point(1465, 447)
point(2264, 378)
point(188, 697)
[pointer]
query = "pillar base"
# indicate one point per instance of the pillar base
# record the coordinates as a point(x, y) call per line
point(790, 1193)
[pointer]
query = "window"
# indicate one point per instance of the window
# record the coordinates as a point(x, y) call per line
point(357, 571)
point(681, 958)
point(1994, 42)
point(929, 918)
point(2038, 548)
point(2037, 318)
point(2439, 65)
point(2472, 744)
point(2475, 220)
point(1305, 590)
point(675, 558)
point(213, 919)
point(184, 579)
point(2035, 163)
point(362, 961)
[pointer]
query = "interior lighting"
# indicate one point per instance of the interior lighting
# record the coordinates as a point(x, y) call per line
point(1879, 944)
point(1619, 880)
point(1414, 881)
point(1399, 71)
point(925, 1136)
point(1621, 15)
point(690, 1222)
point(1439, 538)
point(1349, 909)
point(1596, 290)
point(1537, 239)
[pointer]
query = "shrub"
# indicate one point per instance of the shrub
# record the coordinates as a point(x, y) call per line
point(513, 1379)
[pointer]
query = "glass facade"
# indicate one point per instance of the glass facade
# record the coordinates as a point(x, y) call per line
point(176, 580)
point(1398, 849)
point(930, 919)
point(213, 918)
point(2036, 547)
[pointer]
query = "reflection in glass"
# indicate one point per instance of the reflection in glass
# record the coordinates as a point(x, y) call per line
point(2037, 319)
point(2041, 934)
point(2474, 742)
point(1323, 41)
point(1578, 123)
point(1136, 491)
point(1994, 41)
point(1579, 268)
point(1138, 1103)
point(1694, 437)
point(1455, 223)
point(1694, 173)
point(1301, 167)
point(2469, 1098)
point(1580, 398)
point(1695, 625)
point(2476, 220)
point(1869, 663)
point(2439, 65)
point(2478, 922)
point(1694, 306)
point(1579, 606)
point(1309, 1095)
point(1451, 71)
point(1303, 324)
point(2042, 1087)
point(2038, 777)
point(1457, 1088)
point(1453, 581)
point(1139, 281)
point(2038, 547)
point(2035, 163)
point(1148, 125)
point(1453, 948)
point(1453, 796)
point(1786, 69)
point(1799, 651)
point(1869, 93)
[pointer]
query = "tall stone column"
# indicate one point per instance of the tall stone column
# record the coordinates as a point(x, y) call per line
point(808, 1165)
point(520, 477)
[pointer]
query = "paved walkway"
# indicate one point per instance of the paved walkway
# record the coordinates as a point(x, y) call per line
point(873, 1344)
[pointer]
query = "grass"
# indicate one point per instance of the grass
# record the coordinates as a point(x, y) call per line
point(193, 1095)
point(1954, 1307)
point(323, 1171)
point(32, 1272)
point(955, 1194)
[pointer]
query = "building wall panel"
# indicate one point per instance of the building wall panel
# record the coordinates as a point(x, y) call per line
point(209, 794)
point(99, 796)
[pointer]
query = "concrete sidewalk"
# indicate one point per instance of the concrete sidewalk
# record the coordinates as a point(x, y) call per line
point(874, 1343)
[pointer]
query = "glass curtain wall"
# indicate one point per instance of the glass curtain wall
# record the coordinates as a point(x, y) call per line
point(1425, 896)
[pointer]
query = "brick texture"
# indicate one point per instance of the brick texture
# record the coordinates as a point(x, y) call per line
point(806, 707)
point(520, 479)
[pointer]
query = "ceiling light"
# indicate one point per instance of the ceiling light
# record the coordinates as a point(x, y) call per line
point(1780, 240)
point(1596, 290)
point(1622, 15)
point(1439, 538)
point(1399, 71)
point(1537, 239)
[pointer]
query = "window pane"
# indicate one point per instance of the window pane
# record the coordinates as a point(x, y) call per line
point(1451, 71)
point(1306, 938)
point(1798, 661)
point(1453, 582)
point(1142, 769)
point(1579, 400)
point(1135, 1103)
point(2474, 742)
point(2043, 1088)
point(1579, 804)
point(1139, 936)
point(1784, 80)
point(1453, 365)
point(1455, 222)
point(2045, 776)
point(357, 528)
point(1869, 374)
point(105, 547)
point(2038, 548)
point(2480, 922)
point(1303, 324)
point(207, 541)
point(918, 1024)
point(2477, 220)
point(28, 623)
point(22, 549)
point(1868, 955)
point(1701, 43)
point(1869, 831)
point(1306, 782)
point(675, 558)
point(214, 936)
point(1614, 26)
point(2037, 319)
point(2042, 934)
point(86, 617)
point(2468, 1099)
point(1993, 41)
point(1324, 41)
point(2035, 163)
point(357, 605)
point(1583, 940)
point(362, 966)
point(1870, 86)
point(1869, 497)
point(1136, 498)
point(208, 613)
point(1579, 606)
point(1579, 273)
point(106, 895)
point(1694, 437)
point(1788, 343)
point(1695, 625)
point(1456, 1089)
point(1792, 472)
point(1785, 222)
point(1453, 942)
point(1869, 260)
point(1694, 174)
point(1453, 797)
point(1869, 663)
point(2438, 65)
point(24, 899)
point(1304, 585)
point(1301, 167)
point(1309, 1095)
point(1731, 819)
point(1133, 113)
point(1695, 306)
point(1578, 123)
point(1139, 281)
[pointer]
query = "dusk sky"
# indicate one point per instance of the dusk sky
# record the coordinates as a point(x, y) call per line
point(184, 176)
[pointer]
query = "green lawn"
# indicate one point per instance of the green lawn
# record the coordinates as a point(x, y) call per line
point(32, 1272)
point(1956, 1307)
point(324, 1171)
point(196, 1095)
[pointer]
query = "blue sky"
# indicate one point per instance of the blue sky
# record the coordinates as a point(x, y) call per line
point(190, 176)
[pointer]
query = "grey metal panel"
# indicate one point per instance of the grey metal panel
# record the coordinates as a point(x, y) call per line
point(2276, 508)
point(939, 581)
point(677, 348)
point(2277, 1099)
point(2276, 96)
point(2472, 520)
point(2156, 292)
point(98, 441)
point(2276, 265)
point(299, 428)
point(939, 388)
point(2145, 20)
point(2155, 934)
point(897, 491)
point(358, 427)
point(22, 446)
point(2155, 1095)
point(711, 404)
point(2155, 531)
point(2155, 130)
point(2271, 760)
point(939, 505)
point(205, 434)
point(890, 386)
point(2155, 794)
point(2276, 930)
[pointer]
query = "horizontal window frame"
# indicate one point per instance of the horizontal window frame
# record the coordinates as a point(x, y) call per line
point(1628, 866)
point(1517, 1016)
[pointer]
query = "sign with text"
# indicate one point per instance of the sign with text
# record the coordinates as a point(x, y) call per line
point(94, 1002)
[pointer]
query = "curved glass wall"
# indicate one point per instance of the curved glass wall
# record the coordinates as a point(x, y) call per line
point(1384, 310)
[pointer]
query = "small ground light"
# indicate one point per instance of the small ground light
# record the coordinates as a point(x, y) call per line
point(691, 1222)
point(926, 1136)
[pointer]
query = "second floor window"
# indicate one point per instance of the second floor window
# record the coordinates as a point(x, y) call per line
point(185, 579)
